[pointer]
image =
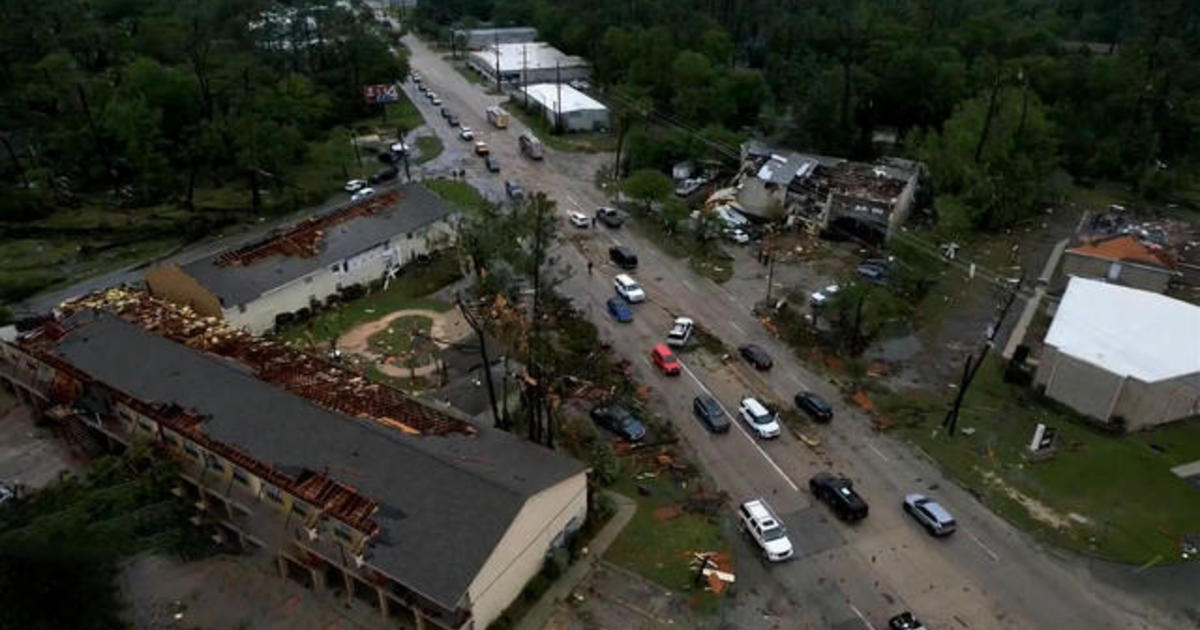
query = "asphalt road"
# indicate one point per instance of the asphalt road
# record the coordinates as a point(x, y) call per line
point(987, 575)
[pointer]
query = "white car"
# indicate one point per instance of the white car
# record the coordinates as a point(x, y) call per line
point(355, 185)
point(400, 148)
point(579, 219)
point(737, 235)
point(466, 134)
point(764, 423)
point(629, 289)
point(435, 100)
point(822, 297)
point(362, 193)
point(681, 332)
point(759, 522)
point(930, 514)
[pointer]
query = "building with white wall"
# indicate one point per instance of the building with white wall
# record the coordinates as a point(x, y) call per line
point(566, 107)
point(477, 38)
point(304, 265)
point(527, 63)
point(1119, 354)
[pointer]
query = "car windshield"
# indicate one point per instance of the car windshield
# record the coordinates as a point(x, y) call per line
point(632, 286)
point(765, 418)
point(773, 533)
point(667, 357)
point(818, 403)
point(630, 424)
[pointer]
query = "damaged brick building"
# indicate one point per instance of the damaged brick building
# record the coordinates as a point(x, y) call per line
point(350, 485)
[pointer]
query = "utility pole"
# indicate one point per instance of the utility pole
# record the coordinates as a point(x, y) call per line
point(558, 100)
point(770, 254)
point(525, 76)
point(971, 367)
point(496, 47)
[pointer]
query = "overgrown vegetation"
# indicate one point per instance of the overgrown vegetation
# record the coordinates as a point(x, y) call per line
point(459, 193)
point(65, 540)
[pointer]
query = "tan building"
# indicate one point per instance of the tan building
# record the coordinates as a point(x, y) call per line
point(1121, 260)
point(1117, 354)
point(347, 484)
point(306, 263)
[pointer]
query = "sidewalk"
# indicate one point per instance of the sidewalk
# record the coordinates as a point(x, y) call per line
point(537, 616)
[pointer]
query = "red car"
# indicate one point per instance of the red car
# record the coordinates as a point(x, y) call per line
point(665, 360)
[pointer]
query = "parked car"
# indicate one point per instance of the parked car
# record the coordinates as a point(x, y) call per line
point(435, 100)
point(579, 219)
point(513, 189)
point(610, 217)
point(759, 522)
point(617, 419)
point(663, 359)
point(710, 413)
point(838, 493)
point(452, 120)
point(623, 257)
point(619, 309)
point(764, 423)
point(756, 356)
point(930, 514)
point(872, 273)
point(385, 175)
point(628, 288)
point(400, 147)
point(362, 193)
point(905, 621)
point(821, 297)
point(737, 236)
point(355, 185)
point(815, 406)
point(387, 157)
point(481, 148)
point(445, 112)
point(465, 134)
point(681, 332)
point(492, 164)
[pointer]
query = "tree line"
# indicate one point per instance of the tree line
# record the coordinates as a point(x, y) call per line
point(144, 101)
point(996, 94)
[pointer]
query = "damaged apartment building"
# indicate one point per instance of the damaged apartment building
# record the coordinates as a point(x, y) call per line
point(302, 266)
point(831, 194)
point(343, 484)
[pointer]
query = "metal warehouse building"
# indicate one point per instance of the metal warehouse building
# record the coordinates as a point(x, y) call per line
point(477, 38)
point(1118, 354)
point(527, 63)
point(576, 111)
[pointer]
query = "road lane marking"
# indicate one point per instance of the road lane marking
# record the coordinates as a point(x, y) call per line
point(878, 452)
point(572, 200)
point(736, 327)
point(984, 547)
point(741, 428)
point(861, 617)
point(687, 284)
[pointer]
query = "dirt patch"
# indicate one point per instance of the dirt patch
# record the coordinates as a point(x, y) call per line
point(1038, 510)
point(445, 329)
point(667, 512)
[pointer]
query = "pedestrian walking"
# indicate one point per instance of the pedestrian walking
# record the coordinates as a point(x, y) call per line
point(593, 223)
point(590, 267)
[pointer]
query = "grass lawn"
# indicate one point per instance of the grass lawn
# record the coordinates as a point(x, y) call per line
point(583, 142)
point(458, 193)
point(428, 148)
point(404, 114)
point(407, 291)
point(661, 550)
point(1113, 496)
point(398, 336)
point(712, 261)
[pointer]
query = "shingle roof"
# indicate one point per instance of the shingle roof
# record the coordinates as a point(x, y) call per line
point(235, 285)
point(1125, 249)
point(1129, 332)
point(445, 502)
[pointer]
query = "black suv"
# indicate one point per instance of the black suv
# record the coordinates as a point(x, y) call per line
point(618, 420)
point(386, 175)
point(839, 493)
point(756, 356)
point(710, 414)
point(814, 406)
point(623, 257)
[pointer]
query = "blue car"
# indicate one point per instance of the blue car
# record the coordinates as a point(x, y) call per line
point(619, 309)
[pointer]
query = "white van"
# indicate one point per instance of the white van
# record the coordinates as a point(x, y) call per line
point(757, 519)
point(764, 423)
point(629, 289)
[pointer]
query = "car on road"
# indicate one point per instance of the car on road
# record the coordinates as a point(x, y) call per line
point(387, 157)
point(821, 297)
point(619, 309)
point(872, 273)
point(384, 175)
point(623, 257)
point(610, 217)
point(400, 148)
point(663, 359)
point(435, 100)
point(481, 148)
point(492, 164)
point(424, 89)
point(930, 514)
point(362, 193)
point(838, 493)
point(759, 522)
point(756, 356)
point(760, 420)
point(513, 189)
point(617, 419)
point(452, 120)
point(445, 112)
point(816, 407)
point(466, 134)
point(681, 332)
point(905, 621)
point(579, 219)
point(628, 288)
point(737, 236)
point(355, 185)
point(710, 413)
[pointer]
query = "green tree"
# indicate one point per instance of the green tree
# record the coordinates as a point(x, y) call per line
point(647, 186)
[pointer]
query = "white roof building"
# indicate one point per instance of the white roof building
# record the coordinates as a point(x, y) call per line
point(1118, 352)
point(528, 63)
point(577, 111)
